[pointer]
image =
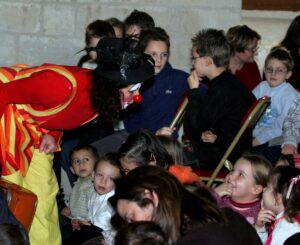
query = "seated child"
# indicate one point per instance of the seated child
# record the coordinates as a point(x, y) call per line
point(212, 121)
point(279, 217)
point(243, 187)
point(100, 212)
point(83, 159)
point(278, 66)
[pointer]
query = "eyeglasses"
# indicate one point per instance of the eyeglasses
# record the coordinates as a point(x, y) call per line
point(276, 71)
point(196, 57)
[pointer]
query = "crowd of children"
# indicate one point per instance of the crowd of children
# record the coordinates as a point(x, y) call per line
point(130, 187)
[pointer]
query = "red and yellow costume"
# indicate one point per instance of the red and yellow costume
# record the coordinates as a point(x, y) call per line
point(34, 101)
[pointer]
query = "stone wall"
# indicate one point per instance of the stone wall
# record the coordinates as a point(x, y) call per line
point(52, 31)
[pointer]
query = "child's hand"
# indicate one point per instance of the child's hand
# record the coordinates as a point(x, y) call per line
point(224, 189)
point(255, 142)
point(194, 80)
point(264, 216)
point(77, 223)
point(208, 136)
point(165, 131)
point(66, 211)
point(85, 222)
point(289, 149)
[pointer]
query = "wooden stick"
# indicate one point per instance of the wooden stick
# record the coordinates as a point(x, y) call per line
point(180, 113)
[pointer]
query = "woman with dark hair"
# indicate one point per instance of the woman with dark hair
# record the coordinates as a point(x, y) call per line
point(38, 103)
point(150, 193)
point(291, 42)
point(143, 148)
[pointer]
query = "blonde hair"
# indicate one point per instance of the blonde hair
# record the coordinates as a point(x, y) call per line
point(261, 168)
point(282, 54)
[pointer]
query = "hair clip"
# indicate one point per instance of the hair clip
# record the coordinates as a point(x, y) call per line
point(293, 182)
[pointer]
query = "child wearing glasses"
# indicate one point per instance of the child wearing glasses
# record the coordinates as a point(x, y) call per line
point(212, 121)
point(278, 68)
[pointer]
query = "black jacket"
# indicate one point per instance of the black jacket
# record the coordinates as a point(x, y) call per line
point(220, 111)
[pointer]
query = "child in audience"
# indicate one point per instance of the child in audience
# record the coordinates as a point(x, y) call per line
point(243, 186)
point(278, 67)
point(136, 22)
point(212, 121)
point(93, 33)
point(107, 169)
point(83, 160)
point(281, 206)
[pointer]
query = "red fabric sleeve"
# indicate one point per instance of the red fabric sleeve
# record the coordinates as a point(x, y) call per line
point(44, 89)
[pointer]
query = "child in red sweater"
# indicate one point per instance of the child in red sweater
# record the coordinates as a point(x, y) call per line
point(244, 185)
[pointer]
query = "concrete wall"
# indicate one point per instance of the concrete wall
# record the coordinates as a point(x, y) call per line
point(52, 31)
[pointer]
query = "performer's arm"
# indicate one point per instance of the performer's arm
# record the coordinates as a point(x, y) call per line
point(45, 89)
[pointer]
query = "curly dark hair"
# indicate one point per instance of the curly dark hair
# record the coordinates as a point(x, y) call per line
point(105, 98)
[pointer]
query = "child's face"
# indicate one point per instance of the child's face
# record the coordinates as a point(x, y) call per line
point(244, 188)
point(83, 163)
point(159, 52)
point(133, 31)
point(93, 43)
point(104, 176)
point(198, 63)
point(276, 72)
point(271, 202)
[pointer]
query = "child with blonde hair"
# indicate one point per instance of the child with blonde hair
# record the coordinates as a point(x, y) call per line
point(106, 170)
point(281, 206)
point(244, 185)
